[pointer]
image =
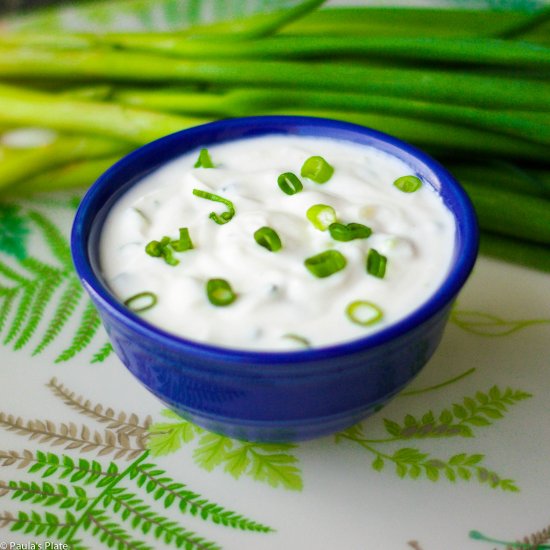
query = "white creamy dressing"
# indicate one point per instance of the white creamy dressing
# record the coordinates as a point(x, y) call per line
point(276, 294)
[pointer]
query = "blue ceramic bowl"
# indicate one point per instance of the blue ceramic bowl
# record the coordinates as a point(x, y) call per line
point(271, 396)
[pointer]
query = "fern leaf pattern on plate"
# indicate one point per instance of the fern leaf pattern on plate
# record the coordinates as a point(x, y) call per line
point(40, 294)
point(122, 506)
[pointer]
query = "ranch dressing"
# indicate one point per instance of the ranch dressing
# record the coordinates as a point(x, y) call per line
point(279, 304)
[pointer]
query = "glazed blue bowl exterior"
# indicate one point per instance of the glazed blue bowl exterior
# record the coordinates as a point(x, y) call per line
point(271, 396)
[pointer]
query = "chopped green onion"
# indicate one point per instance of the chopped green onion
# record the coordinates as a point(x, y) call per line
point(408, 184)
point(222, 218)
point(154, 248)
point(289, 183)
point(219, 292)
point(317, 169)
point(349, 232)
point(321, 216)
point(364, 313)
point(162, 249)
point(298, 339)
point(326, 263)
point(184, 242)
point(376, 263)
point(150, 301)
point(204, 160)
point(167, 246)
point(268, 238)
point(168, 251)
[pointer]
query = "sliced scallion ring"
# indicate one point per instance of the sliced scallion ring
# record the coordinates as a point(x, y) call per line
point(147, 299)
point(349, 232)
point(364, 313)
point(219, 292)
point(317, 169)
point(289, 183)
point(268, 238)
point(376, 263)
point(321, 216)
point(326, 263)
point(408, 184)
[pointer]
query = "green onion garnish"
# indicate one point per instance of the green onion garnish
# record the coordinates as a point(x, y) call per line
point(289, 183)
point(298, 339)
point(168, 251)
point(162, 249)
point(154, 248)
point(376, 263)
point(408, 184)
point(219, 292)
point(317, 169)
point(363, 313)
point(166, 247)
point(184, 242)
point(222, 218)
point(149, 298)
point(204, 160)
point(321, 216)
point(349, 232)
point(326, 263)
point(268, 238)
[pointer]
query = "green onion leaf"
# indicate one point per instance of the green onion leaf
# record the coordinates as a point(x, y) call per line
point(364, 313)
point(268, 238)
point(184, 242)
point(222, 218)
point(219, 292)
point(168, 251)
point(298, 339)
point(321, 216)
point(326, 263)
point(349, 232)
point(289, 183)
point(149, 300)
point(408, 184)
point(317, 169)
point(204, 160)
point(167, 246)
point(376, 263)
point(154, 248)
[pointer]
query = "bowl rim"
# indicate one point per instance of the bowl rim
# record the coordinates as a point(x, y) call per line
point(466, 240)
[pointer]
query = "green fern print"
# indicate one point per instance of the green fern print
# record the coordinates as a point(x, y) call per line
point(118, 506)
point(14, 231)
point(30, 287)
point(534, 541)
point(488, 325)
point(269, 463)
point(459, 420)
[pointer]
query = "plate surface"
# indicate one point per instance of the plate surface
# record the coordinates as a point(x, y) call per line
point(88, 457)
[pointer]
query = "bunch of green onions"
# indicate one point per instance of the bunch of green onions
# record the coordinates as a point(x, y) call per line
point(470, 87)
